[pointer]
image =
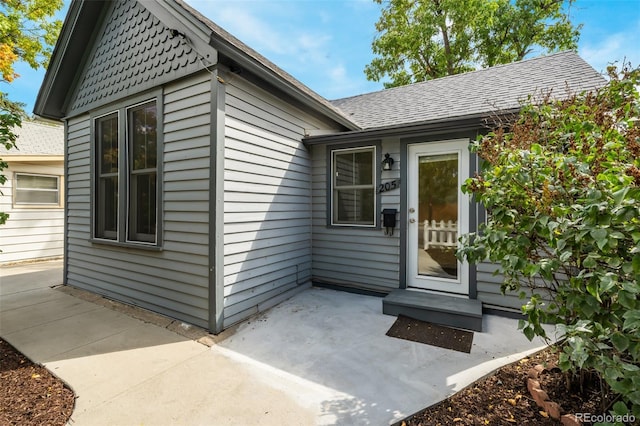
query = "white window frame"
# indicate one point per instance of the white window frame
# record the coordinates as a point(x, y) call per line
point(16, 203)
point(372, 186)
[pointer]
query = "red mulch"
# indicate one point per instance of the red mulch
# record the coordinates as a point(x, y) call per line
point(503, 398)
point(29, 393)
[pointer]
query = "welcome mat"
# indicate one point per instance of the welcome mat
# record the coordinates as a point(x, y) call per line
point(431, 334)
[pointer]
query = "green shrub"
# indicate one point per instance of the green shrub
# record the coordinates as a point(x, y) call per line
point(561, 186)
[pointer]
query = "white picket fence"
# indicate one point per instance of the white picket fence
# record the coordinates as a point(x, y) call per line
point(440, 234)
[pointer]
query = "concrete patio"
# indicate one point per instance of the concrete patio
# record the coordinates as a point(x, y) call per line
point(321, 357)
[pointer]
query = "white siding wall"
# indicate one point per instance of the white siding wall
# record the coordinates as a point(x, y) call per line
point(267, 200)
point(365, 257)
point(173, 281)
point(34, 233)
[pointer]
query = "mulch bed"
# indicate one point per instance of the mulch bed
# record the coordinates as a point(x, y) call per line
point(29, 393)
point(503, 398)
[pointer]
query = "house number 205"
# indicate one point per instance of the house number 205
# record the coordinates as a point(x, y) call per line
point(388, 186)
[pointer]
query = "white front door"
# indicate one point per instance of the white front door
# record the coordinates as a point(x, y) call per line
point(438, 213)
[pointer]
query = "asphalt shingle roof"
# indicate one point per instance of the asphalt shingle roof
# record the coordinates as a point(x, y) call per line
point(494, 89)
point(37, 138)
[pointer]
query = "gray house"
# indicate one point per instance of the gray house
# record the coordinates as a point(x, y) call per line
point(205, 183)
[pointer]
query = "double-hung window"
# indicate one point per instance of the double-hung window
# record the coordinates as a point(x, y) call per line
point(36, 190)
point(353, 186)
point(126, 173)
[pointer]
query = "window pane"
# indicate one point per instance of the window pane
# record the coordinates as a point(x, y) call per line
point(36, 182)
point(142, 225)
point(142, 173)
point(36, 197)
point(344, 169)
point(354, 168)
point(106, 199)
point(107, 129)
point(363, 168)
point(107, 208)
point(355, 206)
point(142, 121)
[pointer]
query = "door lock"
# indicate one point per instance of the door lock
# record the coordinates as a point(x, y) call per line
point(412, 210)
point(412, 220)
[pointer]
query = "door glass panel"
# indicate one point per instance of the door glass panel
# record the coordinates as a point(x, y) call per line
point(438, 215)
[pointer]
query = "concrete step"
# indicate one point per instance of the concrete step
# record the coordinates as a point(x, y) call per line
point(436, 308)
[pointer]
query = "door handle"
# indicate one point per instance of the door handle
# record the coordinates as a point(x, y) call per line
point(412, 220)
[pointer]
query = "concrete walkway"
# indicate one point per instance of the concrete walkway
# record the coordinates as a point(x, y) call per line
point(321, 357)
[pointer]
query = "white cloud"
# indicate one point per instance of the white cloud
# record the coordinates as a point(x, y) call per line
point(339, 82)
point(274, 32)
point(303, 38)
point(338, 73)
point(252, 30)
point(616, 47)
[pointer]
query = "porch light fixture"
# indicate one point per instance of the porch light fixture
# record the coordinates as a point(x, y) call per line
point(387, 163)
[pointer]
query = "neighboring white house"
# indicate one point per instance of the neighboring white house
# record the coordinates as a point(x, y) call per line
point(33, 194)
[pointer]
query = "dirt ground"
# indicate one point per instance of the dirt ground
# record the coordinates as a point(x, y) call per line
point(29, 393)
point(503, 398)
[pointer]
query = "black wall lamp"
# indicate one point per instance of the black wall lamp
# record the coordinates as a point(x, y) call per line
point(387, 163)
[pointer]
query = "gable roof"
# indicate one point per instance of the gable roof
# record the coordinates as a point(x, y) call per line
point(498, 89)
point(84, 18)
point(36, 138)
point(474, 94)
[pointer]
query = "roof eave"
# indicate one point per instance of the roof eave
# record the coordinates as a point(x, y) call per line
point(61, 71)
point(451, 124)
point(269, 76)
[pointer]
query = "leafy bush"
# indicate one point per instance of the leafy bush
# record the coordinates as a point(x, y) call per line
point(10, 117)
point(561, 187)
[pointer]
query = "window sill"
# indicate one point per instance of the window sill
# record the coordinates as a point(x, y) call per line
point(38, 207)
point(348, 226)
point(141, 246)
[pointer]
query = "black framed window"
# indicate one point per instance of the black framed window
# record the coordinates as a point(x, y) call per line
point(126, 205)
point(106, 200)
point(143, 172)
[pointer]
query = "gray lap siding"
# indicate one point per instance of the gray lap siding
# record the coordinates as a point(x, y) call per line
point(267, 200)
point(173, 281)
point(358, 256)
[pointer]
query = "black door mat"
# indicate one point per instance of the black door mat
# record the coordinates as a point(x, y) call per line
point(431, 334)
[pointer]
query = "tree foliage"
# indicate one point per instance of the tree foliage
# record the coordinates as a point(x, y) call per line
point(420, 40)
point(561, 187)
point(10, 116)
point(27, 33)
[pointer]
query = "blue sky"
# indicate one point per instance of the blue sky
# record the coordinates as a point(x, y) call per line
point(327, 43)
